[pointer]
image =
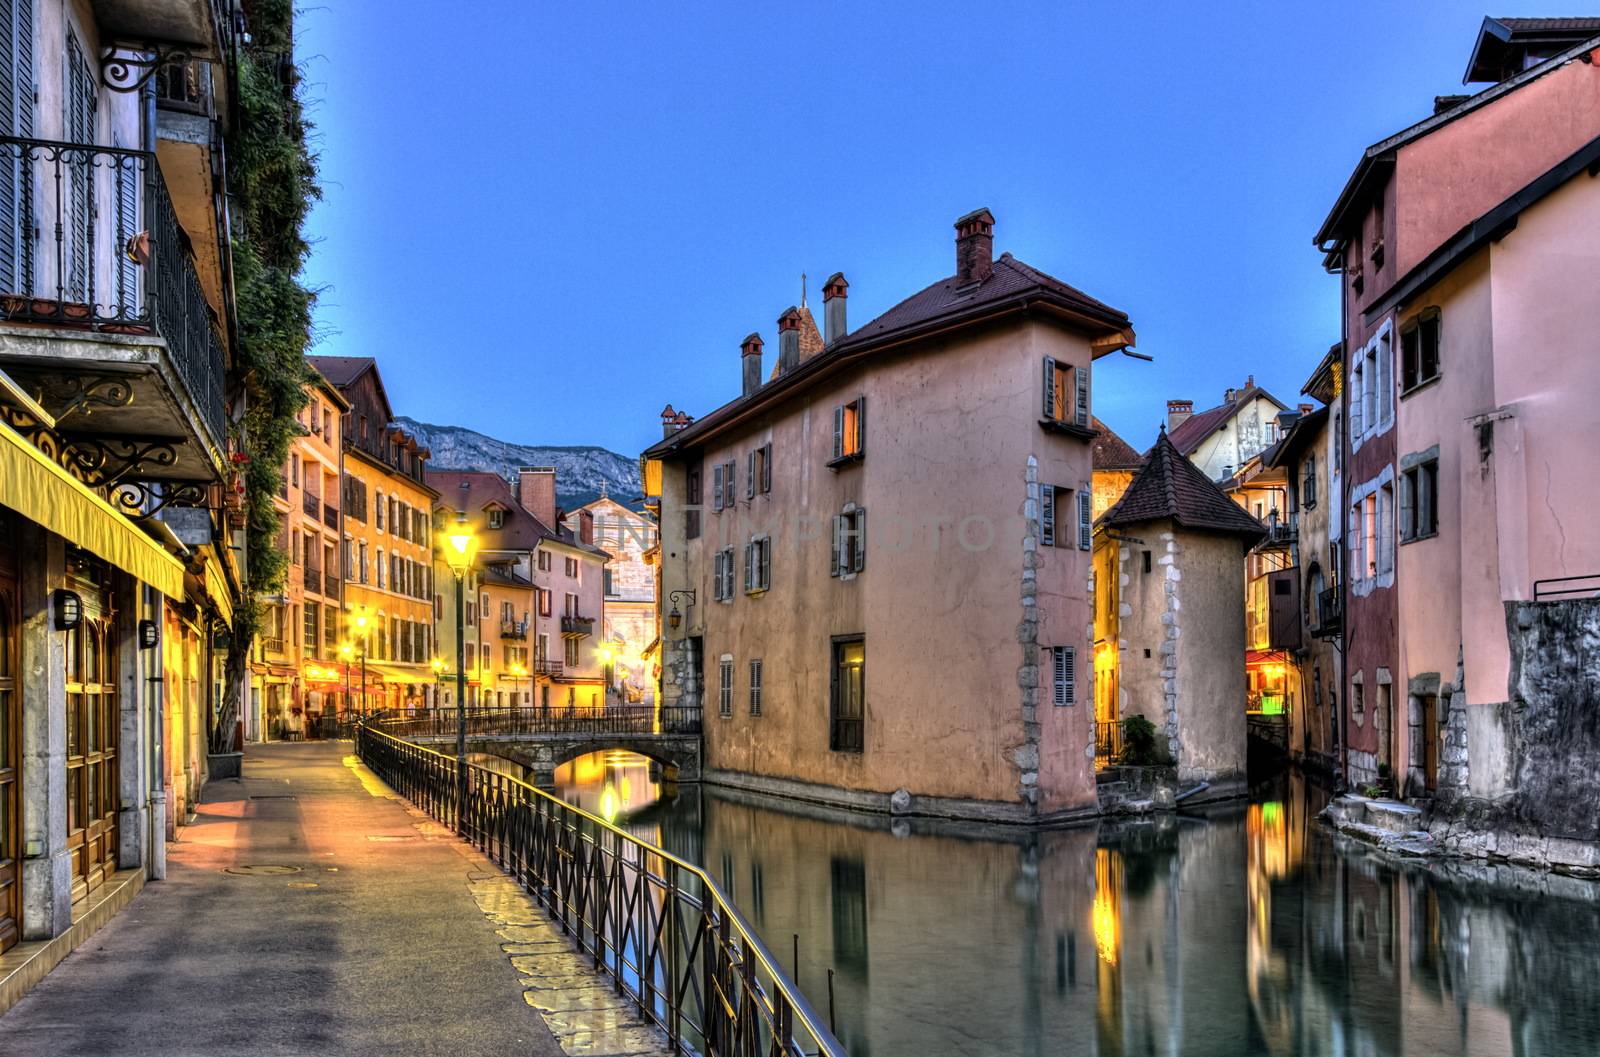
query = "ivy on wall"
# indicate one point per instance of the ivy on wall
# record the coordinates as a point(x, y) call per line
point(271, 185)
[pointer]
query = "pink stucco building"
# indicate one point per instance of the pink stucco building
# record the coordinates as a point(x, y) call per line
point(940, 663)
point(1465, 246)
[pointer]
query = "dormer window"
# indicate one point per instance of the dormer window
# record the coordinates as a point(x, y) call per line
point(497, 518)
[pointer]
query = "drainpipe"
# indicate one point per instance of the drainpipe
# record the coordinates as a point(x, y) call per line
point(156, 867)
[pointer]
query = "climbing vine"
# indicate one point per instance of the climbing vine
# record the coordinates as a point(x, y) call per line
point(272, 183)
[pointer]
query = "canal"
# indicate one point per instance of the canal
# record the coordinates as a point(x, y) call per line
point(1240, 930)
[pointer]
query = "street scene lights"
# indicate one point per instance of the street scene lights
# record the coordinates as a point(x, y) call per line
point(360, 621)
point(517, 673)
point(459, 544)
point(606, 654)
point(347, 653)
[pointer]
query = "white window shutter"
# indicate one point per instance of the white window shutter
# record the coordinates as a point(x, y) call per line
point(728, 476)
point(766, 468)
point(1049, 387)
point(764, 552)
point(716, 487)
point(838, 539)
point(838, 431)
point(749, 570)
point(1047, 515)
point(1081, 409)
point(1085, 519)
point(861, 539)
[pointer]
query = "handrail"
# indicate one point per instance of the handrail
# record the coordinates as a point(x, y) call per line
point(709, 980)
point(1541, 591)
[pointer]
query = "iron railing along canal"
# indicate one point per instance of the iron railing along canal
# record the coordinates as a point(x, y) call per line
point(668, 937)
point(536, 719)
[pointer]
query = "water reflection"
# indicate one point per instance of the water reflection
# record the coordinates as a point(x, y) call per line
point(1241, 931)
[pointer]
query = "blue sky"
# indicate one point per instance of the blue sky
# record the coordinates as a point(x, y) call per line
point(548, 220)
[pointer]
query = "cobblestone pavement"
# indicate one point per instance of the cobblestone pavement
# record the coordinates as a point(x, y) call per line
point(310, 911)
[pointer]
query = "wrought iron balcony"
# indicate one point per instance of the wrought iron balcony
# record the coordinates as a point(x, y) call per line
point(312, 505)
point(330, 516)
point(577, 627)
point(272, 644)
point(514, 629)
point(103, 256)
point(549, 666)
point(330, 585)
point(312, 578)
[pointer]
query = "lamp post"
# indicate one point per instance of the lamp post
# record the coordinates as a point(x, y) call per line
point(607, 655)
point(460, 546)
point(360, 620)
point(516, 673)
point(439, 670)
point(346, 651)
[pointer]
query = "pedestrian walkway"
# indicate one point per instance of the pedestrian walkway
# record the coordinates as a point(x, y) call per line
point(309, 911)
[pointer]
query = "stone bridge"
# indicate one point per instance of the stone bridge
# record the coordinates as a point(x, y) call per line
point(541, 753)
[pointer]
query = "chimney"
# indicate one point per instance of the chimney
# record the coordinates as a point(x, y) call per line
point(1177, 412)
point(834, 291)
point(586, 526)
point(1305, 409)
point(750, 359)
point(974, 247)
point(789, 340)
point(1228, 394)
point(669, 424)
point(1249, 381)
point(536, 492)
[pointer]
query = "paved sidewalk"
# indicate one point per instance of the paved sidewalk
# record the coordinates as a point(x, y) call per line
point(378, 944)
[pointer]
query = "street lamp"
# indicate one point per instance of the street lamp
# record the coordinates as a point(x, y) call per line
point(360, 624)
point(518, 673)
point(460, 546)
point(607, 655)
point(346, 651)
point(675, 618)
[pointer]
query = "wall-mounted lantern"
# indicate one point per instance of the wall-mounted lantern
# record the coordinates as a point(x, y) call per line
point(148, 635)
point(69, 610)
point(674, 618)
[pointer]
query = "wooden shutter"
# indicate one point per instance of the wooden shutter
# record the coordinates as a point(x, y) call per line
point(80, 122)
point(16, 119)
point(1047, 515)
point(749, 566)
point(728, 483)
point(716, 576)
point(755, 688)
point(861, 538)
point(750, 474)
point(838, 431)
point(766, 468)
point(861, 426)
point(764, 558)
point(1064, 677)
point(1081, 406)
point(1085, 520)
point(716, 487)
point(1049, 387)
point(1408, 504)
point(838, 540)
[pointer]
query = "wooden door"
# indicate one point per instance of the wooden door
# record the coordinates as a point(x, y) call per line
point(10, 748)
point(1430, 741)
point(92, 731)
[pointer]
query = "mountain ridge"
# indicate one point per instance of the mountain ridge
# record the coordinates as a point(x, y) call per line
point(583, 471)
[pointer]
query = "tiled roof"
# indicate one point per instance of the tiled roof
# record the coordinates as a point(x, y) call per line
point(1010, 276)
point(1110, 452)
point(341, 370)
point(473, 490)
point(1011, 285)
point(1589, 26)
point(1170, 486)
point(1192, 431)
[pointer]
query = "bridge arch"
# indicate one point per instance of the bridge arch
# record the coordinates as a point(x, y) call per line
point(541, 754)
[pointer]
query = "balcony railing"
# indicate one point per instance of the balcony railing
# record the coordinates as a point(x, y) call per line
point(677, 948)
point(561, 719)
point(330, 585)
point(577, 627)
point(550, 666)
point(312, 578)
point(103, 250)
point(312, 505)
point(1107, 740)
point(330, 516)
point(513, 629)
point(272, 643)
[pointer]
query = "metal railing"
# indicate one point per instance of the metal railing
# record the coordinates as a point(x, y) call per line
point(311, 503)
point(1558, 587)
point(1107, 740)
point(577, 626)
point(312, 578)
point(554, 667)
point(536, 719)
point(104, 250)
point(330, 516)
point(330, 585)
point(673, 943)
point(513, 629)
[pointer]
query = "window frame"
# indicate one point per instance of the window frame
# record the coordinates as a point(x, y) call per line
point(1063, 676)
point(1412, 378)
point(853, 726)
point(725, 686)
point(849, 432)
point(755, 687)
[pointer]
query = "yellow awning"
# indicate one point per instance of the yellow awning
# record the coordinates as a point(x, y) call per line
point(217, 588)
point(398, 675)
point(41, 491)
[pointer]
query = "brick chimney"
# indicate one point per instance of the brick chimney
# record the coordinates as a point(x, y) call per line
point(750, 360)
point(1177, 412)
point(586, 526)
point(974, 247)
point(834, 292)
point(1305, 409)
point(536, 492)
point(789, 340)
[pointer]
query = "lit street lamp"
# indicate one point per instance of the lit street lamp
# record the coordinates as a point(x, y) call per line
point(360, 625)
point(346, 651)
point(460, 546)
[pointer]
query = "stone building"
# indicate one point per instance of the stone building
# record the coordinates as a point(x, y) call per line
point(630, 590)
point(1169, 616)
point(931, 664)
point(298, 678)
point(121, 505)
point(1466, 287)
point(388, 545)
point(1220, 440)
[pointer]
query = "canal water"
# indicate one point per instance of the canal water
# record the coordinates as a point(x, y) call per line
point(1240, 930)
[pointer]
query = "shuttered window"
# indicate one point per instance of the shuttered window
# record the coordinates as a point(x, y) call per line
point(718, 479)
point(1080, 413)
point(725, 688)
point(849, 542)
point(1085, 520)
point(80, 126)
point(755, 688)
point(766, 468)
point(16, 119)
point(850, 430)
point(1063, 675)
point(727, 483)
point(1047, 515)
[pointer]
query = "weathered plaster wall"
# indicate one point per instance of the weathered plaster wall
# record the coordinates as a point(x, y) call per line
point(953, 672)
point(1207, 577)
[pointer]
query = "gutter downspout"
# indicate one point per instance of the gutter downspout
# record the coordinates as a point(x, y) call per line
point(156, 865)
